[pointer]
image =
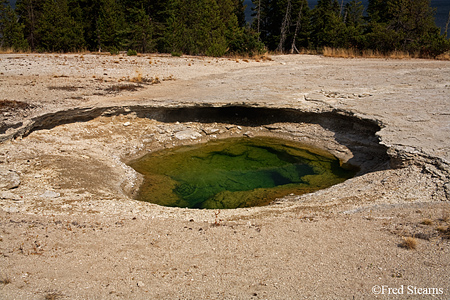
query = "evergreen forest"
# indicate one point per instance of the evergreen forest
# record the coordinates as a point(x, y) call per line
point(218, 27)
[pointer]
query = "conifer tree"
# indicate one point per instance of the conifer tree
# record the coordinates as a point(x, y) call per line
point(11, 31)
point(29, 12)
point(279, 21)
point(327, 24)
point(200, 27)
point(57, 30)
point(404, 25)
point(140, 30)
point(355, 25)
point(111, 27)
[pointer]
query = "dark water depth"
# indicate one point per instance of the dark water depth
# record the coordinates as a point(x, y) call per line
point(232, 173)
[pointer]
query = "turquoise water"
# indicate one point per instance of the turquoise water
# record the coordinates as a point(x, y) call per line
point(232, 173)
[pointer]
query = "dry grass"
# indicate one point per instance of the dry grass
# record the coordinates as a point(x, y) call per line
point(444, 56)
point(10, 50)
point(339, 52)
point(53, 296)
point(353, 53)
point(5, 280)
point(9, 105)
point(409, 243)
point(67, 88)
point(123, 87)
point(247, 58)
point(444, 231)
point(426, 222)
point(140, 79)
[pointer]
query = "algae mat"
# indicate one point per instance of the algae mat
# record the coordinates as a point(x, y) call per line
point(236, 172)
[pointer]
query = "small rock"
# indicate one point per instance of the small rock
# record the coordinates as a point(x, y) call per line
point(187, 134)
point(211, 130)
point(9, 195)
point(50, 194)
point(127, 124)
point(249, 134)
point(8, 179)
point(11, 209)
point(140, 284)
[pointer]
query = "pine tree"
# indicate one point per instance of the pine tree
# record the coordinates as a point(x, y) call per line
point(263, 17)
point(279, 21)
point(300, 37)
point(11, 32)
point(200, 27)
point(239, 11)
point(111, 27)
point(404, 25)
point(57, 30)
point(355, 25)
point(140, 30)
point(328, 28)
point(29, 12)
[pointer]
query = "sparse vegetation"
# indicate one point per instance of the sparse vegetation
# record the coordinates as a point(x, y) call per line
point(53, 295)
point(409, 243)
point(368, 53)
point(444, 56)
point(67, 88)
point(444, 231)
point(426, 222)
point(176, 53)
point(217, 221)
point(5, 280)
point(141, 79)
point(123, 87)
point(131, 52)
point(8, 105)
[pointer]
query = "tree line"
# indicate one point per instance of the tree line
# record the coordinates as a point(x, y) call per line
point(384, 26)
point(218, 27)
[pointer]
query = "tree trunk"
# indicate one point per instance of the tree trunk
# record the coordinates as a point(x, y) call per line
point(448, 23)
point(284, 27)
point(30, 10)
point(297, 26)
point(258, 17)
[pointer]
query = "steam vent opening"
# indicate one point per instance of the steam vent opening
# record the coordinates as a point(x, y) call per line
point(235, 172)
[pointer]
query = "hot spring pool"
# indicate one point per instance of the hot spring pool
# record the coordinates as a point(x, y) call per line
point(235, 172)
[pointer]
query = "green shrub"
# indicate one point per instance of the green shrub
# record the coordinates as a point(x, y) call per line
point(113, 50)
point(131, 52)
point(176, 53)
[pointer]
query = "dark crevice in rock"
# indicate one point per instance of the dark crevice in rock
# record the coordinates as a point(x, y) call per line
point(357, 134)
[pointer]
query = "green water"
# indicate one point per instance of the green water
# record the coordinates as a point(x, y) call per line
point(236, 172)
